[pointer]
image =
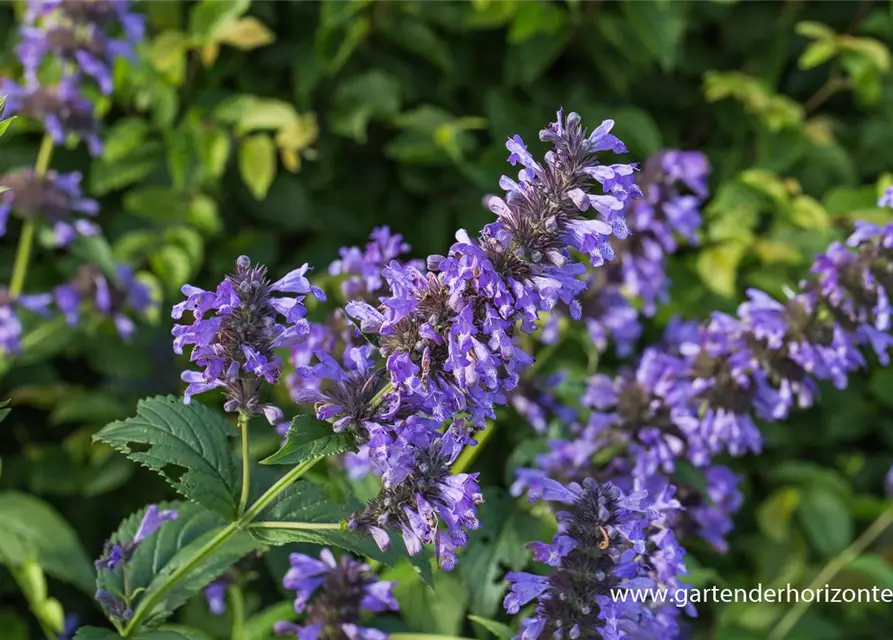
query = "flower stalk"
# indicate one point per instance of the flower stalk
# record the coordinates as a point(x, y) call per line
point(26, 240)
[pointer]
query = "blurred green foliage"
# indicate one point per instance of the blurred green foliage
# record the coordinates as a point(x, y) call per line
point(285, 130)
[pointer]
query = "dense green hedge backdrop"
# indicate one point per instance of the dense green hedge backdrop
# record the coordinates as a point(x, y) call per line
point(313, 122)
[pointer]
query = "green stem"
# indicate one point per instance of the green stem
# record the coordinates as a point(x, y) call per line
point(20, 581)
point(145, 607)
point(237, 606)
point(834, 566)
point(470, 453)
point(318, 526)
point(273, 492)
point(26, 240)
point(246, 462)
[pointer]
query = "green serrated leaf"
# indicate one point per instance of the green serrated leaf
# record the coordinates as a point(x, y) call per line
point(29, 527)
point(190, 437)
point(163, 552)
point(308, 438)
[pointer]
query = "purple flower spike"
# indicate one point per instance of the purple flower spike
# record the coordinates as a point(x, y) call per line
point(334, 593)
point(674, 185)
point(117, 299)
point(236, 330)
point(80, 34)
point(113, 606)
point(54, 198)
point(421, 498)
point(448, 335)
point(602, 547)
point(61, 107)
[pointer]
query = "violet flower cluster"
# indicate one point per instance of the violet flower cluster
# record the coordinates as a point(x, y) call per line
point(53, 198)
point(343, 378)
point(235, 331)
point(608, 542)
point(447, 336)
point(334, 594)
point(117, 554)
point(110, 297)
point(698, 394)
point(81, 38)
point(674, 186)
point(62, 42)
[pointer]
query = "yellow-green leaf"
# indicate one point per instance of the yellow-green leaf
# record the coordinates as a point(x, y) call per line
point(808, 213)
point(818, 52)
point(246, 33)
point(257, 164)
point(718, 267)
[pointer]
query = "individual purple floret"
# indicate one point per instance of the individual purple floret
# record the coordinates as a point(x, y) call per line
point(215, 595)
point(235, 331)
point(61, 107)
point(336, 336)
point(447, 335)
point(10, 325)
point(604, 537)
point(70, 626)
point(76, 33)
point(117, 552)
point(334, 594)
point(421, 498)
point(111, 298)
point(54, 198)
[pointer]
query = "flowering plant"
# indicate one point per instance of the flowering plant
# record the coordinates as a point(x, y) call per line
point(531, 430)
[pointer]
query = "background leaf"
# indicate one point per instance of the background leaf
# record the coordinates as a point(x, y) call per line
point(31, 528)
